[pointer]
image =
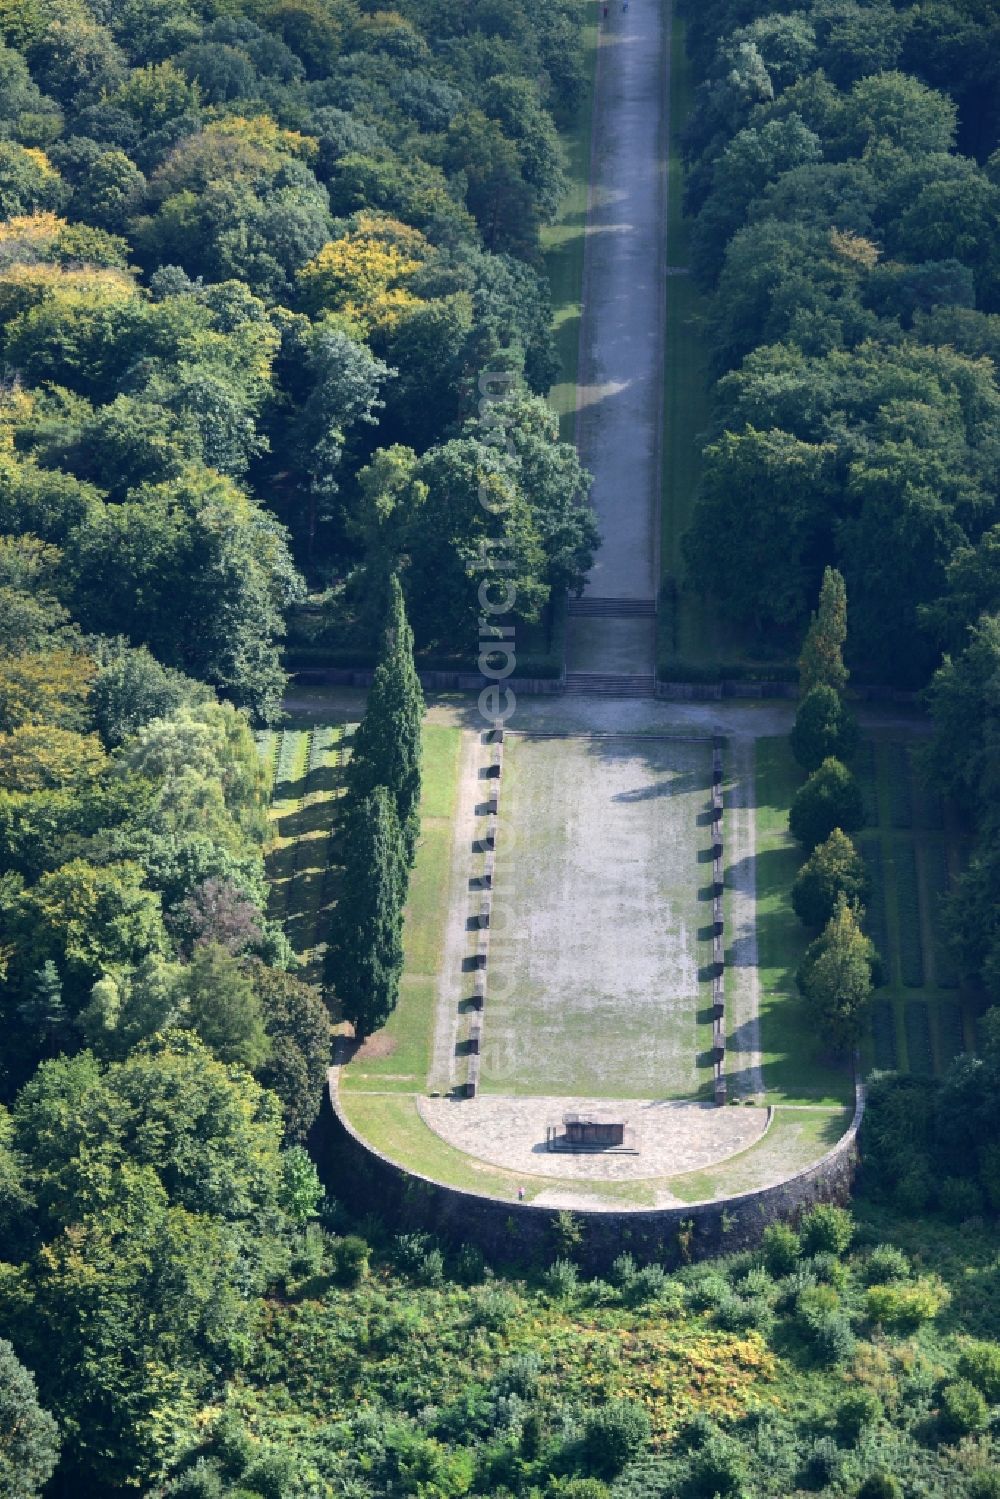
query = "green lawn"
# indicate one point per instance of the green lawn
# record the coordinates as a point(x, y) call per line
point(397, 1059)
point(605, 938)
point(304, 767)
point(563, 241)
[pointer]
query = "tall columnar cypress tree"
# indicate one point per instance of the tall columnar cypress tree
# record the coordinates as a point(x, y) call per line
point(386, 749)
point(822, 659)
point(368, 921)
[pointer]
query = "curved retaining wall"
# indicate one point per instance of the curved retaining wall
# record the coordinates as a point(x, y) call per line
point(362, 1176)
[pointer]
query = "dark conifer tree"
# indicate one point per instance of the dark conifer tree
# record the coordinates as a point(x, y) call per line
point(368, 921)
point(387, 745)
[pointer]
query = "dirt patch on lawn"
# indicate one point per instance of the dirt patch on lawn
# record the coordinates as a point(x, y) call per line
point(375, 1049)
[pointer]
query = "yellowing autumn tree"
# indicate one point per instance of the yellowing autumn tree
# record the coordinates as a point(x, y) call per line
point(363, 274)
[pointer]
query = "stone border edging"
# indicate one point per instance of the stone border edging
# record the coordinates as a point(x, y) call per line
point(506, 1229)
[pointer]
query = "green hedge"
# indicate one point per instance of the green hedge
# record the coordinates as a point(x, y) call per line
point(875, 922)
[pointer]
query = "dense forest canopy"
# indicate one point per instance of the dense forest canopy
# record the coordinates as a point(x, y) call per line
point(254, 261)
point(844, 177)
point(243, 248)
point(255, 257)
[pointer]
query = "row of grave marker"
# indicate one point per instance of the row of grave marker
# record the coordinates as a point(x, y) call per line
point(718, 946)
point(488, 847)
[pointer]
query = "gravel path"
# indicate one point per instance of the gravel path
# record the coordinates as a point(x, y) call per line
point(666, 1137)
point(619, 392)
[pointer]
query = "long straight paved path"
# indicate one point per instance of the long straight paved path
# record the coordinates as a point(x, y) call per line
point(619, 399)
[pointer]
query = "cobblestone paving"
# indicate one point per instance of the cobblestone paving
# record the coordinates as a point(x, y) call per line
point(668, 1137)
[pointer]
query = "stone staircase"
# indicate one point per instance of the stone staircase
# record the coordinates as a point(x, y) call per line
point(593, 607)
point(611, 684)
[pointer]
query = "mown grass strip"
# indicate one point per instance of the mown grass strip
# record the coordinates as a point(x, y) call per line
point(875, 918)
point(897, 772)
point(938, 878)
point(911, 948)
point(884, 1034)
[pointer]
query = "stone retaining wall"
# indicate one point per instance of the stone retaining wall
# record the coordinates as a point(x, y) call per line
point(433, 681)
point(357, 1173)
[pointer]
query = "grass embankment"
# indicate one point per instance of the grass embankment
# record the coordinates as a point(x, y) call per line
point(920, 1017)
point(563, 242)
point(305, 765)
point(397, 1058)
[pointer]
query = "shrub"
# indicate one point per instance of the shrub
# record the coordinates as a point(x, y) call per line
point(200, 1482)
point(493, 1307)
point(271, 1475)
point(824, 727)
point(350, 1259)
point(984, 1484)
point(409, 1250)
point(880, 1485)
point(828, 1270)
point(781, 1248)
point(960, 1198)
point(904, 1307)
point(914, 1189)
point(980, 1365)
point(716, 1470)
point(830, 1335)
point(885, 1263)
point(707, 1289)
point(623, 1269)
point(567, 1232)
point(831, 798)
point(740, 1313)
point(646, 1285)
point(963, 1408)
point(614, 1434)
point(833, 868)
point(823, 1465)
point(858, 1410)
point(470, 1266)
point(756, 1282)
point(824, 1325)
point(561, 1278)
point(430, 1271)
point(826, 1229)
point(989, 1174)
